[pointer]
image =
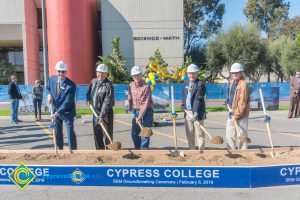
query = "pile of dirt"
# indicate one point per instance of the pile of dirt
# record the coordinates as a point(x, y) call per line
point(207, 158)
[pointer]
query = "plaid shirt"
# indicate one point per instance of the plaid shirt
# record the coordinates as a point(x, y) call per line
point(139, 96)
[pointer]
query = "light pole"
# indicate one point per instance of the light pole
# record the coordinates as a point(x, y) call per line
point(45, 44)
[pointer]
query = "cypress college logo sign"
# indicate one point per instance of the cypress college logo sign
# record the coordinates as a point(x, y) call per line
point(22, 176)
point(78, 176)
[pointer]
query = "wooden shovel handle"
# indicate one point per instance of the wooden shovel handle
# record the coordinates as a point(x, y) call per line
point(105, 131)
point(237, 128)
point(202, 127)
point(140, 125)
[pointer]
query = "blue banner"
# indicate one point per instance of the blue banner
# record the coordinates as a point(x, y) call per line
point(152, 176)
point(275, 175)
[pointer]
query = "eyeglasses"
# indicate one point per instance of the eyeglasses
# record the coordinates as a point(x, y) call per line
point(61, 72)
point(235, 72)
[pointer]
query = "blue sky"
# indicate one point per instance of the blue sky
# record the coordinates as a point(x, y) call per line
point(234, 11)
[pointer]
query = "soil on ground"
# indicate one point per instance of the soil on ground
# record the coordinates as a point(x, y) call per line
point(207, 158)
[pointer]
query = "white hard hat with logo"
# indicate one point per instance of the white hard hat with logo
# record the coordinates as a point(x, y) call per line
point(102, 68)
point(136, 70)
point(192, 68)
point(61, 66)
point(236, 67)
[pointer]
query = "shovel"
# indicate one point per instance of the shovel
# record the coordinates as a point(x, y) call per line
point(53, 130)
point(113, 145)
point(242, 138)
point(267, 122)
point(213, 139)
point(145, 131)
point(176, 153)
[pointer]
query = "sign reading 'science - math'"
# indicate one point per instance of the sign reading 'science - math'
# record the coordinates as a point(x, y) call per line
point(155, 38)
point(150, 176)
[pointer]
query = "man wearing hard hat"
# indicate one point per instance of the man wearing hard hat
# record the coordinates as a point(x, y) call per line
point(61, 95)
point(193, 103)
point(100, 96)
point(141, 104)
point(239, 102)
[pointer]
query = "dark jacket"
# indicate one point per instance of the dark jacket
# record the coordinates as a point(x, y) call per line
point(105, 97)
point(64, 101)
point(13, 91)
point(197, 98)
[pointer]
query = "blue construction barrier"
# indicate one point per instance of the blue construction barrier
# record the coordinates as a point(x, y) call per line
point(151, 176)
point(214, 91)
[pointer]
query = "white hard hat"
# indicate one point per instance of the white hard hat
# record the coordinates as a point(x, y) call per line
point(236, 67)
point(192, 68)
point(136, 70)
point(61, 66)
point(102, 68)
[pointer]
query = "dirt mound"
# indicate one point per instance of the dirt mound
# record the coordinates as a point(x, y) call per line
point(123, 157)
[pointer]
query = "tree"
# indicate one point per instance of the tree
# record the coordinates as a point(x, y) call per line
point(290, 58)
point(239, 44)
point(267, 14)
point(276, 48)
point(297, 39)
point(157, 58)
point(6, 70)
point(290, 28)
point(202, 18)
point(116, 63)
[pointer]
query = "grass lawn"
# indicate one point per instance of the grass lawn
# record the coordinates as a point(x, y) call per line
point(6, 112)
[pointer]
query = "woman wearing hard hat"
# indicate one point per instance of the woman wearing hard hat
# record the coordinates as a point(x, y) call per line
point(239, 102)
point(194, 105)
point(140, 103)
point(100, 96)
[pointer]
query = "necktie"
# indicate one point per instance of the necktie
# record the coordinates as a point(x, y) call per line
point(190, 86)
point(58, 87)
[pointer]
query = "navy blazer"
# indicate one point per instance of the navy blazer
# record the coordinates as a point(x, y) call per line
point(64, 102)
point(197, 98)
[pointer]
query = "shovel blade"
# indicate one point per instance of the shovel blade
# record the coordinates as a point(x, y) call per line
point(146, 132)
point(177, 154)
point(114, 146)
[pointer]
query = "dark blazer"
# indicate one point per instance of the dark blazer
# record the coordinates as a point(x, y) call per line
point(197, 98)
point(13, 91)
point(105, 97)
point(64, 102)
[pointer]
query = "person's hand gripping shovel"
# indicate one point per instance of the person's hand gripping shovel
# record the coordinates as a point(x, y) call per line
point(112, 145)
point(175, 153)
point(267, 121)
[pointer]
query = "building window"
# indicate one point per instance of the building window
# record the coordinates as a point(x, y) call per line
point(39, 18)
point(99, 22)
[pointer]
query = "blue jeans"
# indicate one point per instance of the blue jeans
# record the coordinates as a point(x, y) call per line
point(147, 121)
point(72, 142)
point(14, 109)
point(37, 104)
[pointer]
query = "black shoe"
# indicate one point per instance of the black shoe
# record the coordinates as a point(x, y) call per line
point(14, 122)
point(19, 120)
point(37, 119)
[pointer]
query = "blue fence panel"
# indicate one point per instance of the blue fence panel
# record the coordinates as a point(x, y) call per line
point(214, 91)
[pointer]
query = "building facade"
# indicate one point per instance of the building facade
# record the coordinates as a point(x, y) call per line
point(144, 26)
point(81, 30)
